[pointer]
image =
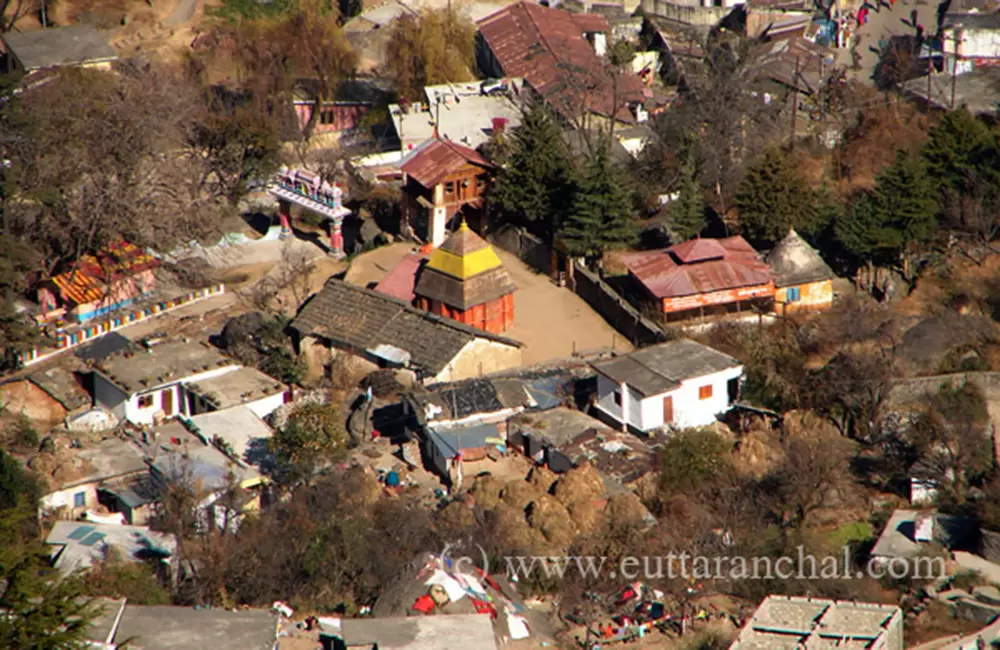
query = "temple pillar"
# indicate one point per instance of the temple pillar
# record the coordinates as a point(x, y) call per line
point(438, 226)
point(336, 237)
point(285, 216)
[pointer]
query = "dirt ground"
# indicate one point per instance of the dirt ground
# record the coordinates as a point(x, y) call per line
point(551, 321)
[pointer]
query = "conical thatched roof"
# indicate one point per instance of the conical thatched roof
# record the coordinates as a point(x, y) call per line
point(796, 262)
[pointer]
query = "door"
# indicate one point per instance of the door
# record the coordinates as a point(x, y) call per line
point(668, 410)
point(167, 399)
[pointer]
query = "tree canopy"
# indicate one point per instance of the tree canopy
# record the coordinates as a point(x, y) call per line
point(773, 198)
point(600, 215)
point(686, 214)
point(313, 436)
point(535, 174)
point(432, 47)
point(881, 225)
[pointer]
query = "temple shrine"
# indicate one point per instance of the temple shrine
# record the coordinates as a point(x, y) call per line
point(465, 280)
point(311, 192)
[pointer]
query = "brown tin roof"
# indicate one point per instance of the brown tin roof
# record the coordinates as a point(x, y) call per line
point(548, 48)
point(438, 158)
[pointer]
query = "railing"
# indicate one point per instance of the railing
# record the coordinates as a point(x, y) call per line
point(67, 339)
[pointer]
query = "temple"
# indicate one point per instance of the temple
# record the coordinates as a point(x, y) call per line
point(465, 280)
point(117, 276)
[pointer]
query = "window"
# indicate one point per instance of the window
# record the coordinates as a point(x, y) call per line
point(793, 294)
point(705, 392)
point(449, 188)
point(618, 398)
point(80, 500)
point(146, 401)
point(327, 116)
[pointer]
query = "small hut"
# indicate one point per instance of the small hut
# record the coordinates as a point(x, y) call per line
point(802, 279)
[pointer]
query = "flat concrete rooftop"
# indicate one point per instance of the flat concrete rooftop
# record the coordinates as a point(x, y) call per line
point(237, 387)
point(160, 364)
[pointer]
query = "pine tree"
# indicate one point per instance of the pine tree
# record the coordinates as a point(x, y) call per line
point(881, 226)
point(773, 198)
point(686, 215)
point(533, 182)
point(958, 147)
point(906, 199)
point(601, 214)
point(41, 608)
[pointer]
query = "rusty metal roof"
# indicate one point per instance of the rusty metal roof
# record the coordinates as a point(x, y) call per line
point(666, 274)
point(401, 280)
point(438, 158)
point(547, 47)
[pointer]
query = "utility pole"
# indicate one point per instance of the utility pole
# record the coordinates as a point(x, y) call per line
point(954, 76)
point(795, 100)
point(930, 69)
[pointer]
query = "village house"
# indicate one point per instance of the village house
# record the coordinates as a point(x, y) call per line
point(465, 280)
point(148, 384)
point(343, 114)
point(164, 379)
point(676, 384)
point(98, 284)
point(561, 55)
point(81, 545)
point(787, 621)
point(54, 47)
point(163, 627)
point(467, 113)
point(390, 333)
point(442, 179)
point(563, 438)
point(227, 487)
point(970, 41)
point(702, 277)
point(802, 280)
point(909, 532)
point(98, 468)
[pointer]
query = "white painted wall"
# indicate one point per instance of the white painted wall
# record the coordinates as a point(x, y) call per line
point(65, 498)
point(125, 406)
point(646, 414)
point(478, 357)
point(974, 43)
point(267, 405)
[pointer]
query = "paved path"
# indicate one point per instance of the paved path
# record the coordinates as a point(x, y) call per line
point(891, 20)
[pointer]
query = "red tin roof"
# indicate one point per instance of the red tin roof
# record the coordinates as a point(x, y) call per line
point(698, 266)
point(547, 47)
point(401, 280)
point(438, 158)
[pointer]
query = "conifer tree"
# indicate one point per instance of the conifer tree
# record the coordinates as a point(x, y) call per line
point(535, 175)
point(686, 215)
point(959, 145)
point(773, 198)
point(601, 214)
point(881, 226)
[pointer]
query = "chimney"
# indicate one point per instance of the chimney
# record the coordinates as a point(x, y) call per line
point(499, 125)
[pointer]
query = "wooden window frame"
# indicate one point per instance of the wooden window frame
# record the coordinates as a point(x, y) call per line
point(705, 392)
point(146, 401)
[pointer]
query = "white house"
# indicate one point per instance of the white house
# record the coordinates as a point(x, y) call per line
point(177, 378)
point(677, 384)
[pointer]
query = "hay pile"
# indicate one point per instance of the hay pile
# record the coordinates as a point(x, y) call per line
point(487, 491)
point(511, 528)
point(457, 514)
point(582, 483)
point(626, 510)
point(587, 515)
point(542, 478)
point(518, 494)
point(550, 517)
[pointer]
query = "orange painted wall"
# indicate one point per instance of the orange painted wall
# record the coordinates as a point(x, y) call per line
point(717, 298)
point(494, 316)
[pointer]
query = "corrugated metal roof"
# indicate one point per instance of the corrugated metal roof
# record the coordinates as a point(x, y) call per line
point(402, 278)
point(547, 48)
point(665, 274)
point(438, 158)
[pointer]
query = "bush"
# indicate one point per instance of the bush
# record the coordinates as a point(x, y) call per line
point(137, 582)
